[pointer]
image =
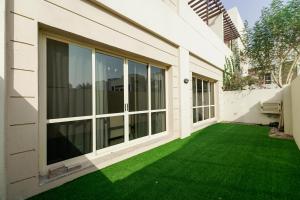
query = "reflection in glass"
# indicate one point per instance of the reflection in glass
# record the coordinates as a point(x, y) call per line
point(138, 126)
point(200, 114)
point(212, 94)
point(206, 113)
point(199, 92)
point(137, 86)
point(69, 80)
point(109, 84)
point(158, 122)
point(68, 140)
point(109, 131)
point(195, 115)
point(194, 91)
point(212, 112)
point(158, 98)
point(205, 93)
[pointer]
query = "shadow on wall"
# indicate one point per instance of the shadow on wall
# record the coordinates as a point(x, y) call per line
point(245, 106)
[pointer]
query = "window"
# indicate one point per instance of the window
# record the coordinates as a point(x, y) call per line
point(268, 78)
point(158, 100)
point(69, 94)
point(95, 100)
point(203, 100)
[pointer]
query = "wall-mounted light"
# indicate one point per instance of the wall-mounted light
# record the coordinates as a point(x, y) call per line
point(186, 81)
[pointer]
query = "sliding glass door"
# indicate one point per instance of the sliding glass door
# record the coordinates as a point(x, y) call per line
point(138, 99)
point(109, 72)
point(95, 100)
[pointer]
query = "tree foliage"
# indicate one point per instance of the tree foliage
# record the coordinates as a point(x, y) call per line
point(233, 78)
point(275, 40)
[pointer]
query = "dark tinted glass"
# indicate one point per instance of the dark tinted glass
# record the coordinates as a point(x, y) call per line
point(194, 91)
point(69, 80)
point(158, 93)
point(212, 94)
point(158, 122)
point(138, 126)
point(68, 140)
point(212, 112)
point(110, 131)
point(195, 115)
point(109, 84)
point(206, 113)
point(137, 86)
point(205, 93)
point(200, 114)
point(199, 92)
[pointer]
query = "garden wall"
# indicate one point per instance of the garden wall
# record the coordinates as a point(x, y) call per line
point(244, 106)
point(295, 114)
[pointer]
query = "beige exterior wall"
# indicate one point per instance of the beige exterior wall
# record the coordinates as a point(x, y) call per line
point(287, 110)
point(217, 25)
point(238, 22)
point(295, 97)
point(125, 28)
point(2, 101)
point(173, 4)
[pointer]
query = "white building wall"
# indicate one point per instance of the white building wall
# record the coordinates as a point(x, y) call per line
point(126, 27)
point(244, 106)
point(238, 22)
point(186, 30)
point(217, 25)
point(185, 103)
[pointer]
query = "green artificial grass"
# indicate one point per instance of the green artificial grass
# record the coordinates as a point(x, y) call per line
point(223, 161)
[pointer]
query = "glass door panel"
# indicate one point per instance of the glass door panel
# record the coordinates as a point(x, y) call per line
point(110, 131)
point(137, 86)
point(158, 93)
point(158, 122)
point(109, 84)
point(69, 80)
point(138, 126)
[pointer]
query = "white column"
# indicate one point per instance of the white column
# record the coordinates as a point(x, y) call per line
point(2, 100)
point(185, 93)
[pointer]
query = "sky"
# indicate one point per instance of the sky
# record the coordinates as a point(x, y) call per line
point(250, 10)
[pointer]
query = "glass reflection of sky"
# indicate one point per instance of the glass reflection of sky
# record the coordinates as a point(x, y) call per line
point(137, 69)
point(80, 66)
point(111, 67)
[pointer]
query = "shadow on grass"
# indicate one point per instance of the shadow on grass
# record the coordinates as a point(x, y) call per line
point(223, 161)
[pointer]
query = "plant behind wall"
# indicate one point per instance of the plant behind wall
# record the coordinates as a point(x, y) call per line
point(233, 78)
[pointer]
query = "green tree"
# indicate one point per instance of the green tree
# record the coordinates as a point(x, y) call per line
point(233, 78)
point(275, 40)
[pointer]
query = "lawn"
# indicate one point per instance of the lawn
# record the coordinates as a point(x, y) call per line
point(223, 161)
